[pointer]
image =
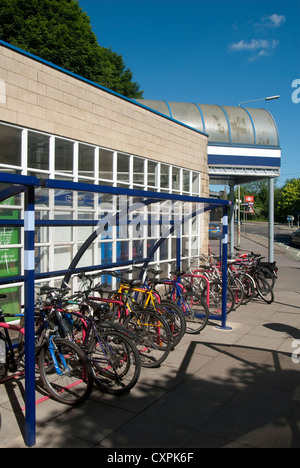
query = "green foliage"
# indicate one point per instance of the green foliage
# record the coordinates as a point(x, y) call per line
point(60, 32)
point(286, 199)
point(289, 204)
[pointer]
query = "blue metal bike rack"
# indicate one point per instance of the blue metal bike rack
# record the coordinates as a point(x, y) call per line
point(17, 184)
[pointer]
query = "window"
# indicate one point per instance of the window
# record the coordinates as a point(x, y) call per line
point(138, 171)
point(52, 156)
point(164, 176)
point(64, 156)
point(38, 151)
point(86, 158)
point(123, 168)
point(152, 170)
point(10, 138)
point(105, 164)
point(186, 181)
point(175, 178)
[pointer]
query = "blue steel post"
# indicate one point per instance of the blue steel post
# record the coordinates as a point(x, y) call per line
point(29, 270)
point(224, 268)
point(178, 251)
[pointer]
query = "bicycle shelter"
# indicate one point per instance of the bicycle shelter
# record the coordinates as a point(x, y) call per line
point(123, 209)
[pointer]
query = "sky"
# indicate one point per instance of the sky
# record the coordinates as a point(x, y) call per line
point(212, 52)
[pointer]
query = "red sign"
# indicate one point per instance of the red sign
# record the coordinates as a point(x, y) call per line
point(249, 199)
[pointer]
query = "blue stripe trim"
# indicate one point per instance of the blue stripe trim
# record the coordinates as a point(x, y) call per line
point(259, 161)
point(253, 126)
point(241, 145)
point(201, 114)
point(168, 106)
point(228, 123)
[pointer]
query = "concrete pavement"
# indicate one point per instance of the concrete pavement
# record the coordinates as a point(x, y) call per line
point(221, 388)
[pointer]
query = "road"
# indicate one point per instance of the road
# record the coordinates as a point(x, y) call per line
point(282, 234)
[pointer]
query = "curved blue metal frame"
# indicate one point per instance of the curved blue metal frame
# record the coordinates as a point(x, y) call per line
point(27, 184)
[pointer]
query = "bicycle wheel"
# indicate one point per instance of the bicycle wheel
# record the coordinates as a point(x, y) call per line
point(154, 339)
point(264, 289)
point(237, 288)
point(175, 318)
point(215, 298)
point(66, 373)
point(267, 274)
point(115, 360)
point(248, 286)
point(195, 311)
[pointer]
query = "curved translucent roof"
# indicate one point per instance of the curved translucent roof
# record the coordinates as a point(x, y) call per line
point(223, 124)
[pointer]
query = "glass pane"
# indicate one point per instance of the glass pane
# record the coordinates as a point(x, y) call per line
point(38, 151)
point(152, 167)
point(164, 176)
point(122, 251)
point(10, 144)
point(62, 234)
point(105, 252)
point(196, 180)
point(86, 161)
point(42, 259)
point(137, 249)
point(105, 164)
point(63, 155)
point(175, 178)
point(123, 168)
point(138, 171)
point(186, 181)
point(63, 256)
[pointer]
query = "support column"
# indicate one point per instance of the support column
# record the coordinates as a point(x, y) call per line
point(231, 221)
point(271, 220)
point(223, 325)
point(29, 272)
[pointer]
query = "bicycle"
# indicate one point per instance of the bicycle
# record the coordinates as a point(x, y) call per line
point(113, 355)
point(145, 294)
point(193, 306)
point(63, 368)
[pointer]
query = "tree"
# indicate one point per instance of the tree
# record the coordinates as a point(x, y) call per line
point(60, 32)
point(290, 199)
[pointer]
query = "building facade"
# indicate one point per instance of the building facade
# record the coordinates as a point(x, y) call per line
point(57, 125)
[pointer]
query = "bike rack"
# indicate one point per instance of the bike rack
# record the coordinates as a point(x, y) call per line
point(28, 184)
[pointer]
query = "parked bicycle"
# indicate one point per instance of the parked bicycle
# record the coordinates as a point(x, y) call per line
point(113, 355)
point(64, 370)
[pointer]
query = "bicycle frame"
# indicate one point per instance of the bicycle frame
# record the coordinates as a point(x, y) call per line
point(10, 354)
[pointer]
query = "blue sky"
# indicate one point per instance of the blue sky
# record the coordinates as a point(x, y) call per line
point(212, 52)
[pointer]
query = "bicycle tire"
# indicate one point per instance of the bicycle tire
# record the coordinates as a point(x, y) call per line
point(175, 318)
point(248, 285)
point(267, 274)
point(195, 310)
point(154, 339)
point(264, 289)
point(76, 383)
point(115, 360)
point(215, 298)
point(237, 288)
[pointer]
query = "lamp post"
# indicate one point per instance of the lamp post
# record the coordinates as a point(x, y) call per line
point(268, 98)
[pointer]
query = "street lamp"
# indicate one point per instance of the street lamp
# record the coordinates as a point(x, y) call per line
point(268, 98)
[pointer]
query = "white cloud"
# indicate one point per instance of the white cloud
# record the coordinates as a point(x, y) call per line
point(254, 45)
point(271, 21)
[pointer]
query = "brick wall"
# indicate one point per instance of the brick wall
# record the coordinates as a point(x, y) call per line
point(38, 96)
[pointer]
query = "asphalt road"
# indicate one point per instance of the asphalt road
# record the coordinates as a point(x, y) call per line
point(282, 234)
point(281, 231)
